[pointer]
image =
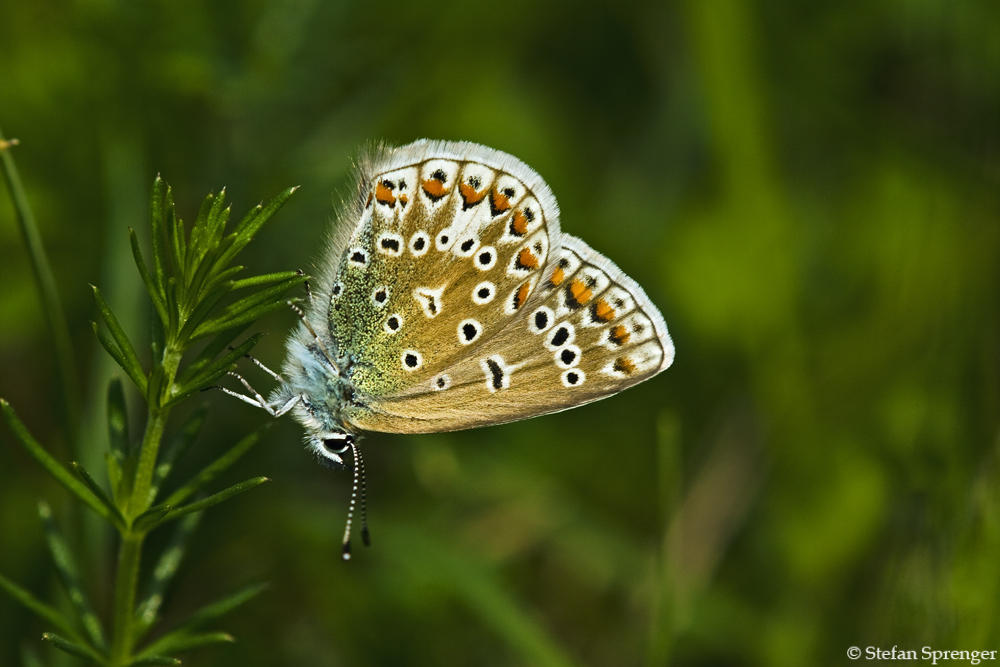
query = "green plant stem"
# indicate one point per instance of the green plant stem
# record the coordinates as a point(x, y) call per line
point(46, 283)
point(126, 584)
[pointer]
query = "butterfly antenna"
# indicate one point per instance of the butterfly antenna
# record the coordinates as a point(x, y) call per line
point(319, 341)
point(359, 476)
point(360, 462)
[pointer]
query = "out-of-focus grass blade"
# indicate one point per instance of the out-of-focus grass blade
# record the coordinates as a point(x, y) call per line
point(178, 445)
point(226, 494)
point(166, 567)
point(50, 614)
point(63, 476)
point(69, 576)
point(178, 642)
point(29, 657)
point(215, 468)
point(155, 660)
point(209, 375)
point(116, 516)
point(79, 650)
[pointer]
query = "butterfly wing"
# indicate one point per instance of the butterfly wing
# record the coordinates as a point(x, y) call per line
point(457, 302)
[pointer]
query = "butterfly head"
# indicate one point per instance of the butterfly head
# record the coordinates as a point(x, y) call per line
point(331, 447)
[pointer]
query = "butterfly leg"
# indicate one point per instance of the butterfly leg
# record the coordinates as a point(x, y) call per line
point(319, 342)
point(260, 365)
point(258, 400)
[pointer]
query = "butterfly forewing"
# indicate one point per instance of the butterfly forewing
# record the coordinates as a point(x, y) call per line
point(451, 245)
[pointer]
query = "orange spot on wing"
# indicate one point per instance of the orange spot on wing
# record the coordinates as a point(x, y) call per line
point(403, 199)
point(602, 312)
point(619, 335)
point(526, 259)
point(384, 195)
point(470, 195)
point(519, 224)
point(558, 276)
point(499, 202)
point(522, 295)
point(577, 294)
point(434, 188)
point(624, 365)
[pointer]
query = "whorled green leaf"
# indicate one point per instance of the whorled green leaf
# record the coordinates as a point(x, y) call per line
point(158, 235)
point(49, 613)
point(121, 462)
point(217, 467)
point(226, 494)
point(109, 346)
point(63, 476)
point(207, 355)
point(149, 519)
point(79, 650)
point(166, 567)
point(70, 578)
point(251, 224)
point(248, 308)
point(178, 445)
point(216, 610)
point(101, 495)
point(132, 365)
point(213, 372)
point(156, 295)
point(179, 642)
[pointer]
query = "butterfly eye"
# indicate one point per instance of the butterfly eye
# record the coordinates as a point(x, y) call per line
point(336, 445)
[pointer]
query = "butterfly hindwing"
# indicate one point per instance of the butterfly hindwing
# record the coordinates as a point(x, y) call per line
point(590, 331)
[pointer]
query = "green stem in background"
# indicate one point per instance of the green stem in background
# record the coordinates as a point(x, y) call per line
point(51, 304)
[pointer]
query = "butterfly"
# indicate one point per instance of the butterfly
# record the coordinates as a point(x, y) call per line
point(448, 298)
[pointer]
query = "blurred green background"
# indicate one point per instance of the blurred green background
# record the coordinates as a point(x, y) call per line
point(808, 190)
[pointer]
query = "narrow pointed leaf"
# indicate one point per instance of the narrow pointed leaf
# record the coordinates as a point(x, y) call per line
point(134, 368)
point(158, 233)
point(251, 224)
point(215, 371)
point(118, 438)
point(79, 650)
point(248, 308)
point(148, 519)
point(62, 475)
point(148, 610)
point(109, 346)
point(69, 576)
point(175, 231)
point(118, 435)
point(95, 488)
point(178, 445)
point(198, 230)
point(214, 348)
point(226, 494)
point(266, 279)
point(28, 600)
point(179, 642)
point(220, 608)
point(215, 468)
point(154, 290)
point(219, 279)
